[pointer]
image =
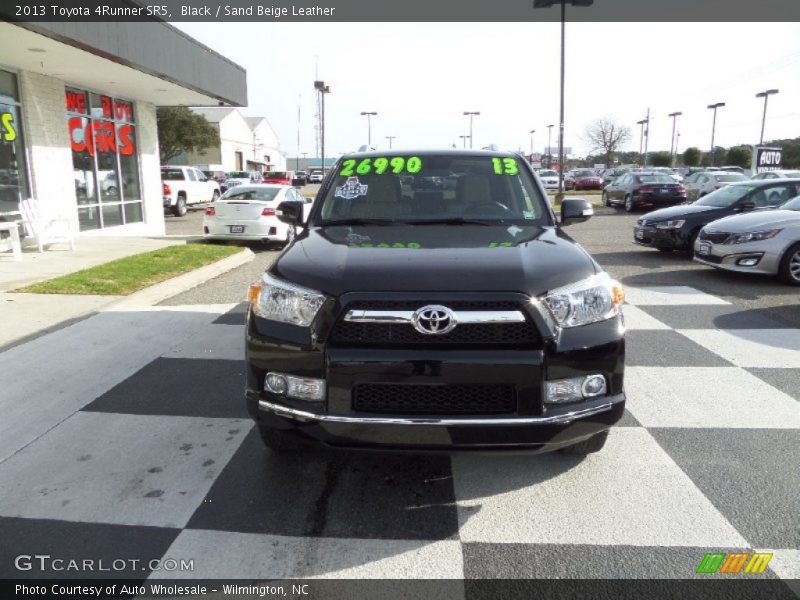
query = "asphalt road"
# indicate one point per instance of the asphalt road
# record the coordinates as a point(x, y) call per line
point(607, 236)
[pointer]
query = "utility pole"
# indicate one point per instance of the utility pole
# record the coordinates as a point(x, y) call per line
point(641, 135)
point(464, 139)
point(549, 154)
point(390, 138)
point(532, 132)
point(646, 137)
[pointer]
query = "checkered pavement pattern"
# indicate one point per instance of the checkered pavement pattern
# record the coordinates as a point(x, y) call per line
point(126, 436)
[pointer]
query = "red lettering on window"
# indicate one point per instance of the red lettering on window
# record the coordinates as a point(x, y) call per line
point(125, 137)
point(76, 102)
point(123, 111)
point(104, 136)
point(108, 107)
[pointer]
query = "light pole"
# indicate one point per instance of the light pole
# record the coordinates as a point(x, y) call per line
point(532, 132)
point(322, 89)
point(641, 134)
point(390, 138)
point(471, 114)
point(765, 94)
point(714, 107)
point(464, 139)
point(646, 137)
point(369, 116)
point(549, 136)
point(563, 3)
point(672, 151)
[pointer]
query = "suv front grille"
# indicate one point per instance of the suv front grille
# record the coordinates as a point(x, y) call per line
point(443, 399)
point(395, 334)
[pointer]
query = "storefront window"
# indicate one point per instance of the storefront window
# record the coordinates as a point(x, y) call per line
point(104, 158)
point(13, 171)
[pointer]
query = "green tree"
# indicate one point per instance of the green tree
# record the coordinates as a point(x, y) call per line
point(629, 158)
point(740, 156)
point(692, 157)
point(659, 159)
point(715, 158)
point(181, 130)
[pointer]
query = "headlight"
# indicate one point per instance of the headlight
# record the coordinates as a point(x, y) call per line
point(753, 236)
point(594, 299)
point(285, 302)
point(670, 224)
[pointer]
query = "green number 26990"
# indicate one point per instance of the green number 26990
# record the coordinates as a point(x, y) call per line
point(381, 165)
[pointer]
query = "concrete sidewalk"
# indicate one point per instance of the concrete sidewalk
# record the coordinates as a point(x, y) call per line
point(24, 316)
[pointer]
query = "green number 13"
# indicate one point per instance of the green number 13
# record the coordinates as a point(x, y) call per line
point(505, 166)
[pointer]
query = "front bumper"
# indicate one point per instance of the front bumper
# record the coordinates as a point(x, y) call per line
point(728, 256)
point(532, 425)
point(670, 239)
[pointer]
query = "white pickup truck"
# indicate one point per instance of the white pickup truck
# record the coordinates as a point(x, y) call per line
point(183, 186)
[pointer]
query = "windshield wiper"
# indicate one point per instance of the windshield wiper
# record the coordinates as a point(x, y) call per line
point(359, 222)
point(451, 221)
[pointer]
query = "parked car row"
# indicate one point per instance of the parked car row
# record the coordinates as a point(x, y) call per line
point(748, 226)
point(187, 185)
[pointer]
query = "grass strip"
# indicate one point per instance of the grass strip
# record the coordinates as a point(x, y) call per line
point(126, 275)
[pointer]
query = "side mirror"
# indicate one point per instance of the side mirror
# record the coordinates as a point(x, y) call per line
point(747, 206)
point(291, 212)
point(575, 210)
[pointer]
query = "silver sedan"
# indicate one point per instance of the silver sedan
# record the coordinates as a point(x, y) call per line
point(762, 241)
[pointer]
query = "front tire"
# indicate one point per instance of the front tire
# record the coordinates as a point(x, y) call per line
point(179, 210)
point(606, 201)
point(588, 446)
point(789, 269)
point(279, 441)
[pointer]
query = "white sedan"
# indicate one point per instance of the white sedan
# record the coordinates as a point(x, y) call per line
point(248, 213)
point(549, 179)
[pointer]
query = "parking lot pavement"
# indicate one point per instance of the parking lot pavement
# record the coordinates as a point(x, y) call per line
point(152, 448)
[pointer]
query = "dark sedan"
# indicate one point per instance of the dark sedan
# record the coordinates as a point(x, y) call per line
point(634, 190)
point(676, 228)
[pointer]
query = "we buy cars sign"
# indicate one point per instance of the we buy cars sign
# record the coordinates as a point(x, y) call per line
point(766, 159)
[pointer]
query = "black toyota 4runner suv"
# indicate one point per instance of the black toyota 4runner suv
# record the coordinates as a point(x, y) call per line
point(435, 317)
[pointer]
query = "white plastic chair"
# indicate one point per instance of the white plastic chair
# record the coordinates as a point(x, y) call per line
point(47, 231)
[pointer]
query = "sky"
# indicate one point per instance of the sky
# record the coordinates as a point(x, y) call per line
point(421, 77)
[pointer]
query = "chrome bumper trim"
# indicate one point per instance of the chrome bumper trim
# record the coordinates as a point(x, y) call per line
point(461, 316)
point(306, 417)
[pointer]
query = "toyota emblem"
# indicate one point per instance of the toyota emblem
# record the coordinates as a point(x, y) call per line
point(433, 320)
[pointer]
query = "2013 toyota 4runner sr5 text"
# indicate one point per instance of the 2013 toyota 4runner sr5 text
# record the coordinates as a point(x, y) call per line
point(434, 302)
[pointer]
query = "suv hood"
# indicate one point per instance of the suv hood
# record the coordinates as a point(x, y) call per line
point(434, 258)
point(752, 221)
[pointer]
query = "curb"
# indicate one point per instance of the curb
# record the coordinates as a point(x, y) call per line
point(158, 292)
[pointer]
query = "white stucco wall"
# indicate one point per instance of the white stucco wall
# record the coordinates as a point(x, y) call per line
point(44, 116)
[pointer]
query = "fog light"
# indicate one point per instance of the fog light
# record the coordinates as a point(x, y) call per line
point(275, 383)
point(302, 388)
point(747, 262)
point(574, 389)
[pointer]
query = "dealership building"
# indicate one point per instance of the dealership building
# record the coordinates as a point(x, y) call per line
point(78, 136)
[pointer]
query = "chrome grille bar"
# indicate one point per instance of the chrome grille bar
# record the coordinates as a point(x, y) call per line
point(461, 316)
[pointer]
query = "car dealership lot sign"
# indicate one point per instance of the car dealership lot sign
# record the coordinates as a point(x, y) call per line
point(766, 159)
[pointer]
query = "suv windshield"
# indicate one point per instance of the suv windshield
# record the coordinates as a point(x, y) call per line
point(172, 174)
point(725, 196)
point(433, 188)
